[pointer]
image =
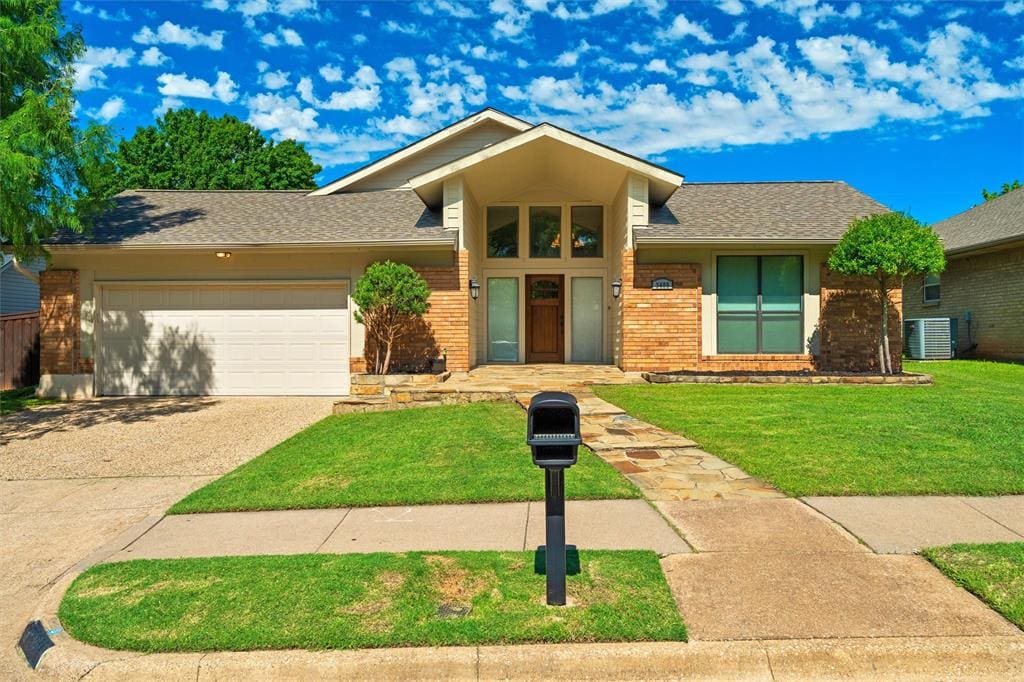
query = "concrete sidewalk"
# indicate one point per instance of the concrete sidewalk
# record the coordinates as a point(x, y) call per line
point(905, 525)
point(601, 524)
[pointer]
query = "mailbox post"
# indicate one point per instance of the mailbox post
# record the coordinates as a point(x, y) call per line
point(553, 434)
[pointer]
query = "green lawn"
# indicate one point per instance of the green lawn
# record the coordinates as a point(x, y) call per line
point(17, 399)
point(315, 601)
point(431, 455)
point(960, 436)
point(993, 572)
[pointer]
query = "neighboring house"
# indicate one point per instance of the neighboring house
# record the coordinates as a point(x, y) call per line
point(539, 245)
point(983, 284)
point(18, 293)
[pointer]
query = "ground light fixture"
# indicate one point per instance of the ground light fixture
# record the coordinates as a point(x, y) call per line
point(474, 288)
point(553, 434)
point(616, 287)
point(223, 254)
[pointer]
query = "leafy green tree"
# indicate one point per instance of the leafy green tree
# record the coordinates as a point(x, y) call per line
point(187, 149)
point(1007, 187)
point(388, 296)
point(48, 167)
point(887, 247)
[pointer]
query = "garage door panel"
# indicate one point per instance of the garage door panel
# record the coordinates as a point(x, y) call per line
point(226, 340)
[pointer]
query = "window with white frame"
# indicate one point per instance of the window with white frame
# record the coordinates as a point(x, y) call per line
point(932, 293)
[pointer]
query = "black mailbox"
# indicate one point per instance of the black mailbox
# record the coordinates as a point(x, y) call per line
point(553, 429)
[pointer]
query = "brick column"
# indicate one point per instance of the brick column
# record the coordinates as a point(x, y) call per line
point(59, 323)
point(661, 330)
point(850, 323)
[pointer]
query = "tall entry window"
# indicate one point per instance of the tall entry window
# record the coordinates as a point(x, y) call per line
point(503, 319)
point(760, 304)
point(502, 231)
point(545, 232)
point(587, 226)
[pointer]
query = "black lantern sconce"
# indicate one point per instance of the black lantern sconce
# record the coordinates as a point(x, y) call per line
point(474, 288)
point(616, 287)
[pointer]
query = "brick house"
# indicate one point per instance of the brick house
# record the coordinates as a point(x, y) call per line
point(539, 245)
point(983, 280)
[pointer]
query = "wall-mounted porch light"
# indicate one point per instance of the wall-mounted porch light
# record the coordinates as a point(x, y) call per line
point(223, 254)
point(474, 288)
point(616, 287)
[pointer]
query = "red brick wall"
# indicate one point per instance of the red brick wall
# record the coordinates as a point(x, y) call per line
point(661, 330)
point(444, 327)
point(59, 325)
point(850, 324)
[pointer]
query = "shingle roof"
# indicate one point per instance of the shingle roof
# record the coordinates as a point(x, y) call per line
point(170, 217)
point(997, 220)
point(736, 211)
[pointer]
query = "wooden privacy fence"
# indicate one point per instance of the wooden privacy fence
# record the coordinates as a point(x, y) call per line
point(19, 350)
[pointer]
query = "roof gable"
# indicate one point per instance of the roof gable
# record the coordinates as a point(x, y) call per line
point(460, 138)
point(663, 181)
point(993, 222)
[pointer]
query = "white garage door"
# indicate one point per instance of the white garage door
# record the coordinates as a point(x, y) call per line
point(251, 339)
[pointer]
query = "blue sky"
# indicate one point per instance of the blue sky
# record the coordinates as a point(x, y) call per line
point(917, 103)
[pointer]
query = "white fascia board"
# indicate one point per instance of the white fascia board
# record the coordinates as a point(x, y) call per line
point(420, 146)
point(549, 131)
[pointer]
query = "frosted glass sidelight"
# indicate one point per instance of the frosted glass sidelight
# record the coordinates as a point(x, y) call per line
point(587, 319)
point(503, 319)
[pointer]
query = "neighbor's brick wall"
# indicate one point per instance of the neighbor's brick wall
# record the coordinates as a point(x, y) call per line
point(991, 286)
point(850, 321)
point(660, 329)
point(444, 327)
point(59, 324)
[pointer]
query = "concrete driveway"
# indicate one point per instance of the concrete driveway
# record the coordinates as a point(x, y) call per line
point(75, 477)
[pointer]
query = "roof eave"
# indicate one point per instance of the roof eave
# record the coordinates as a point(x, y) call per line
point(375, 243)
point(640, 239)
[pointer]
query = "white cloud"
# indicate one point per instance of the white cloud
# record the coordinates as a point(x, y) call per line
point(109, 110)
point(681, 27)
point(90, 69)
point(359, 39)
point(152, 56)
point(437, 90)
point(1014, 7)
point(616, 65)
point(640, 48)
point(274, 80)
point(219, 5)
point(449, 7)
point(768, 94)
point(481, 52)
point(659, 66)
point(178, 85)
point(811, 12)
point(907, 9)
point(887, 25)
point(331, 73)
point(569, 58)
point(732, 7)
point(172, 34)
point(283, 36)
point(285, 8)
point(392, 26)
point(101, 14)
point(364, 94)
point(1015, 63)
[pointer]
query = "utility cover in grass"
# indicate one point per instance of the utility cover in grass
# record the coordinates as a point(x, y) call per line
point(314, 601)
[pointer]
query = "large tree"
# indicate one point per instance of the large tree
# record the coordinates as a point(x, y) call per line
point(888, 247)
point(187, 149)
point(48, 167)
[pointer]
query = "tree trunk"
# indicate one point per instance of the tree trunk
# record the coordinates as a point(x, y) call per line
point(883, 342)
point(387, 358)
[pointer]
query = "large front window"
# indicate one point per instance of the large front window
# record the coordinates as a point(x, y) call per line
point(760, 304)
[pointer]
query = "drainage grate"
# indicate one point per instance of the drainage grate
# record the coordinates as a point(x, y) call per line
point(453, 610)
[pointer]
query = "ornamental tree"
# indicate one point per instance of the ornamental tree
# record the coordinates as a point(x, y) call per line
point(887, 247)
point(389, 295)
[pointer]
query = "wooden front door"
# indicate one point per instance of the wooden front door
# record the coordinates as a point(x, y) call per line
point(545, 318)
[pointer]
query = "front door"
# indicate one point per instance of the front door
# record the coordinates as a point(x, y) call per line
point(545, 318)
